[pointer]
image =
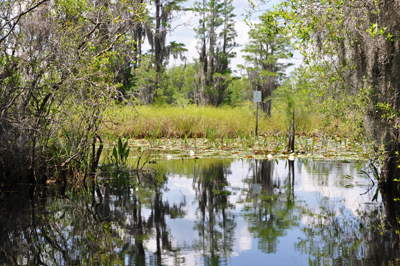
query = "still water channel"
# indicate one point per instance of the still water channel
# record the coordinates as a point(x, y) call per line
point(203, 212)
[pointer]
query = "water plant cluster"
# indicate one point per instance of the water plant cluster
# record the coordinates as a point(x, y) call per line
point(268, 147)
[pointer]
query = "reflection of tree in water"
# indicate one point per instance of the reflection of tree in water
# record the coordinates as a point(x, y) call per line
point(139, 229)
point(102, 224)
point(216, 224)
point(269, 212)
point(322, 172)
point(261, 173)
point(368, 238)
point(55, 230)
point(108, 223)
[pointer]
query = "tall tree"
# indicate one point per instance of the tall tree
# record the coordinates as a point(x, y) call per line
point(166, 11)
point(266, 51)
point(202, 9)
point(216, 34)
point(224, 53)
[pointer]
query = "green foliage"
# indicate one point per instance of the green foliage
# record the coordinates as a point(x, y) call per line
point(263, 60)
point(374, 170)
point(288, 96)
point(144, 81)
point(55, 94)
point(266, 45)
point(238, 92)
point(121, 152)
point(146, 160)
point(179, 84)
point(346, 52)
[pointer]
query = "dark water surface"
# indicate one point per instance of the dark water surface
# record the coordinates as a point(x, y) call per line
point(203, 212)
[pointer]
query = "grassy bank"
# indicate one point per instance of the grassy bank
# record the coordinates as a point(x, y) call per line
point(208, 121)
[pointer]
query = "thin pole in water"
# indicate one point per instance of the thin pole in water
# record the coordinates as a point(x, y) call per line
point(256, 118)
point(257, 99)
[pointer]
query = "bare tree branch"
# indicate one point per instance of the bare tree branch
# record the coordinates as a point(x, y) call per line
point(18, 17)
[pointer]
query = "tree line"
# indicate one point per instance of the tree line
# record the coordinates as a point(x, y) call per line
point(208, 80)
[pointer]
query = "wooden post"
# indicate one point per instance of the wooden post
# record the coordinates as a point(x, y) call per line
point(256, 118)
point(257, 99)
point(292, 132)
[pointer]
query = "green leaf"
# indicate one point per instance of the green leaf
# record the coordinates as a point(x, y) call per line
point(376, 195)
point(115, 154)
point(349, 177)
point(363, 172)
point(125, 146)
point(376, 173)
point(119, 144)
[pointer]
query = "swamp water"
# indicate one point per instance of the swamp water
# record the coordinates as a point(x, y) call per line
point(204, 212)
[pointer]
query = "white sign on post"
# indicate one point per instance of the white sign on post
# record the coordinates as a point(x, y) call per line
point(256, 189)
point(257, 96)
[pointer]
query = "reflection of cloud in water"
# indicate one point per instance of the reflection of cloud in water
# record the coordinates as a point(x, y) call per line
point(180, 183)
point(146, 213)
point(151, 245)
point(326, 187)
point(243, 236)
point(318, 184)
point(168, 258)
point(182, 231)
point(180, 189)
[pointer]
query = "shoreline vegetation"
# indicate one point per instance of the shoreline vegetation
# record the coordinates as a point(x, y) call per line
point(191, 121)
point(170, 132)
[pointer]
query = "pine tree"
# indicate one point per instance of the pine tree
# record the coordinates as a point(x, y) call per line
point(216, 34)
point(264, 58)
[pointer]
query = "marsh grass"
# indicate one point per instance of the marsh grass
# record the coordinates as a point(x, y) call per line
point(165, 121)
point(169, 132)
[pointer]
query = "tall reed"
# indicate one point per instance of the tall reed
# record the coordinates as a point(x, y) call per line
point(204, 121)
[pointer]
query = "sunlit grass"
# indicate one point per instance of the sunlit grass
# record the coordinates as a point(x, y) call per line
point(171, 132)
point(208, 121)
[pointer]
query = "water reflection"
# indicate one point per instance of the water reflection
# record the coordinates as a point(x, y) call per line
point(216, 223)
point(203, 212)
point(270, 210)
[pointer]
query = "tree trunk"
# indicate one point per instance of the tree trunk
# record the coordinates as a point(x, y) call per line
point(211, 48)
point(157, 36)
point(266, 106)
point(391, 170)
